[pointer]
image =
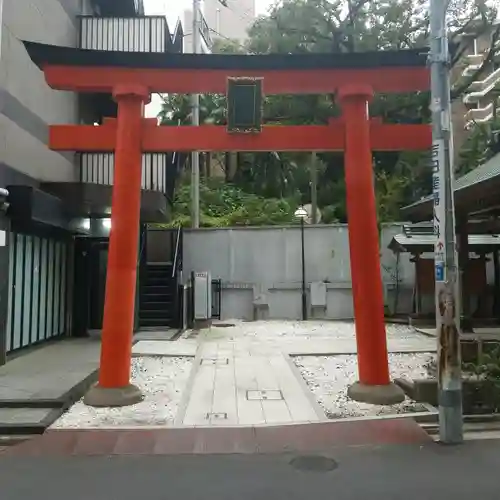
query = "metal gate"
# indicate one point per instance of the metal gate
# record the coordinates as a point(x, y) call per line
point(38, 290)
point(216, 298)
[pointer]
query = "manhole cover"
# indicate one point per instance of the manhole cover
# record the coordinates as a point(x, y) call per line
point(313, 463)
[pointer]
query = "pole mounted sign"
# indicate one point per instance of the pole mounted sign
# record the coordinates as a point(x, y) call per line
point(445, 252)
point(439, 213)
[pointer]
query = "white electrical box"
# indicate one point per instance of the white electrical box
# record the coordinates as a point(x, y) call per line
point(202, 296)
point(318, 294)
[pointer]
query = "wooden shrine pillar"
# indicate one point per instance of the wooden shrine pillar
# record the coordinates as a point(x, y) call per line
point(464, 281)
point(374, 384)
point(496, 285)
point(417, 289)
point(114, 388)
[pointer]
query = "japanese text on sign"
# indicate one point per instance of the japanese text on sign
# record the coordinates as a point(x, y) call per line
point(437, 159)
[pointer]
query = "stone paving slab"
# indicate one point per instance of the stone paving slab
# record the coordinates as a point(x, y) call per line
point(50, 372)
point(154, 334)
point(225, 376)
point(255, 356)
point(36, 387)
point(483, 333)
point(23, 415)
point(245, 440)
point(322, 347)
point(179, 348)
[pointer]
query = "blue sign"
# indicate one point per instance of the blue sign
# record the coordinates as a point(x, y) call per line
point(439, 271)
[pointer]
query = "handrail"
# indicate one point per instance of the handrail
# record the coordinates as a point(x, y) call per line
point(176, 255)
point(143, 244)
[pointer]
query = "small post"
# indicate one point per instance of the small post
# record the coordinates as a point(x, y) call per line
point(301, 213)
point(314, 188)
point(304, 298)
point(445, 252)
point(195, 102)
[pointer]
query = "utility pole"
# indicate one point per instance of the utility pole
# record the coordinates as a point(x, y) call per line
point(445, 251)
point(195, 103)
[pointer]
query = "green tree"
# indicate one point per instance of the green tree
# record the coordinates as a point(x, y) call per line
point(308, 26)
point(223, 204)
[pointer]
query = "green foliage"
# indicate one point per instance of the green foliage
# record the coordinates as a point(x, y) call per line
point(487, 366)
point(223, 205)
point(309, 26)
point(487, 369)
point(226, 46)
point(481, 145)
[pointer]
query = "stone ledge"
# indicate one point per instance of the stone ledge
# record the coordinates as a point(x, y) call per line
point(477, 395)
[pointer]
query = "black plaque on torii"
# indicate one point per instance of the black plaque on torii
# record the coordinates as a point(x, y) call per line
point(244, 105)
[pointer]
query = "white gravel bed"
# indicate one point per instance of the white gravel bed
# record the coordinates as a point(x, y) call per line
point(329, 376)
point(162, 380)
point(279, 329)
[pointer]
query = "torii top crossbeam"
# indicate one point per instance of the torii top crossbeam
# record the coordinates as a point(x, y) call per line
point(385, 72)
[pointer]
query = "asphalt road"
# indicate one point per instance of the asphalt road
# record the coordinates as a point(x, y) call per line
point(397, 472)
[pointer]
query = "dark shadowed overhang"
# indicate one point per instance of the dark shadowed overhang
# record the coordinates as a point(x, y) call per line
point(43, 54)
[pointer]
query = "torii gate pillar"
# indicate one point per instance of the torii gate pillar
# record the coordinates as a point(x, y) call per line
point(114, 388)
point(374, 385)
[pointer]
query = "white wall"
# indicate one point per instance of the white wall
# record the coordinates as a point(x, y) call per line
point(263, 266)
point(28, 105)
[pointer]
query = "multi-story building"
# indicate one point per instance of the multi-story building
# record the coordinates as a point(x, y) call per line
point(54, 221)
point(231, 21)
point(480, 102)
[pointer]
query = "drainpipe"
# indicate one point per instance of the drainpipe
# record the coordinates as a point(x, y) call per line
point(4, 290)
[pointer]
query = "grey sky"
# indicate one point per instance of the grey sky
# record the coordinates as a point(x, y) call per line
point(174, 8)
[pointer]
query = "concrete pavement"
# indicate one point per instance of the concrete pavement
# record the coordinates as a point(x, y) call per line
point(37, 386)
point(409, 472)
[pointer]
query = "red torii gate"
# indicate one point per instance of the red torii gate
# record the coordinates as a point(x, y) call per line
point(132, 77)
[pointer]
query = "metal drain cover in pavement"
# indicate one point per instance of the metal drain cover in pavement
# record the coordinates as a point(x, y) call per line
point(216, 416)
point(215, 361)
point(272, 395)
point(313, 463)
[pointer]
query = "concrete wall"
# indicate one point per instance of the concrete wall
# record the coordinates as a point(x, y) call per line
point(27, 104)
point(261, 269)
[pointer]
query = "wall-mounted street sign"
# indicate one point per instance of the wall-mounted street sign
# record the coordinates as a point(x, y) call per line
point(244, 105)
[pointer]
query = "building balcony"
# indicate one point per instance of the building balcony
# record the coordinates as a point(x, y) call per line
point(479, 89)
point(98, 168)
point(479, 115)
point(474, 61)
point(91, 194)
point(134, 34)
